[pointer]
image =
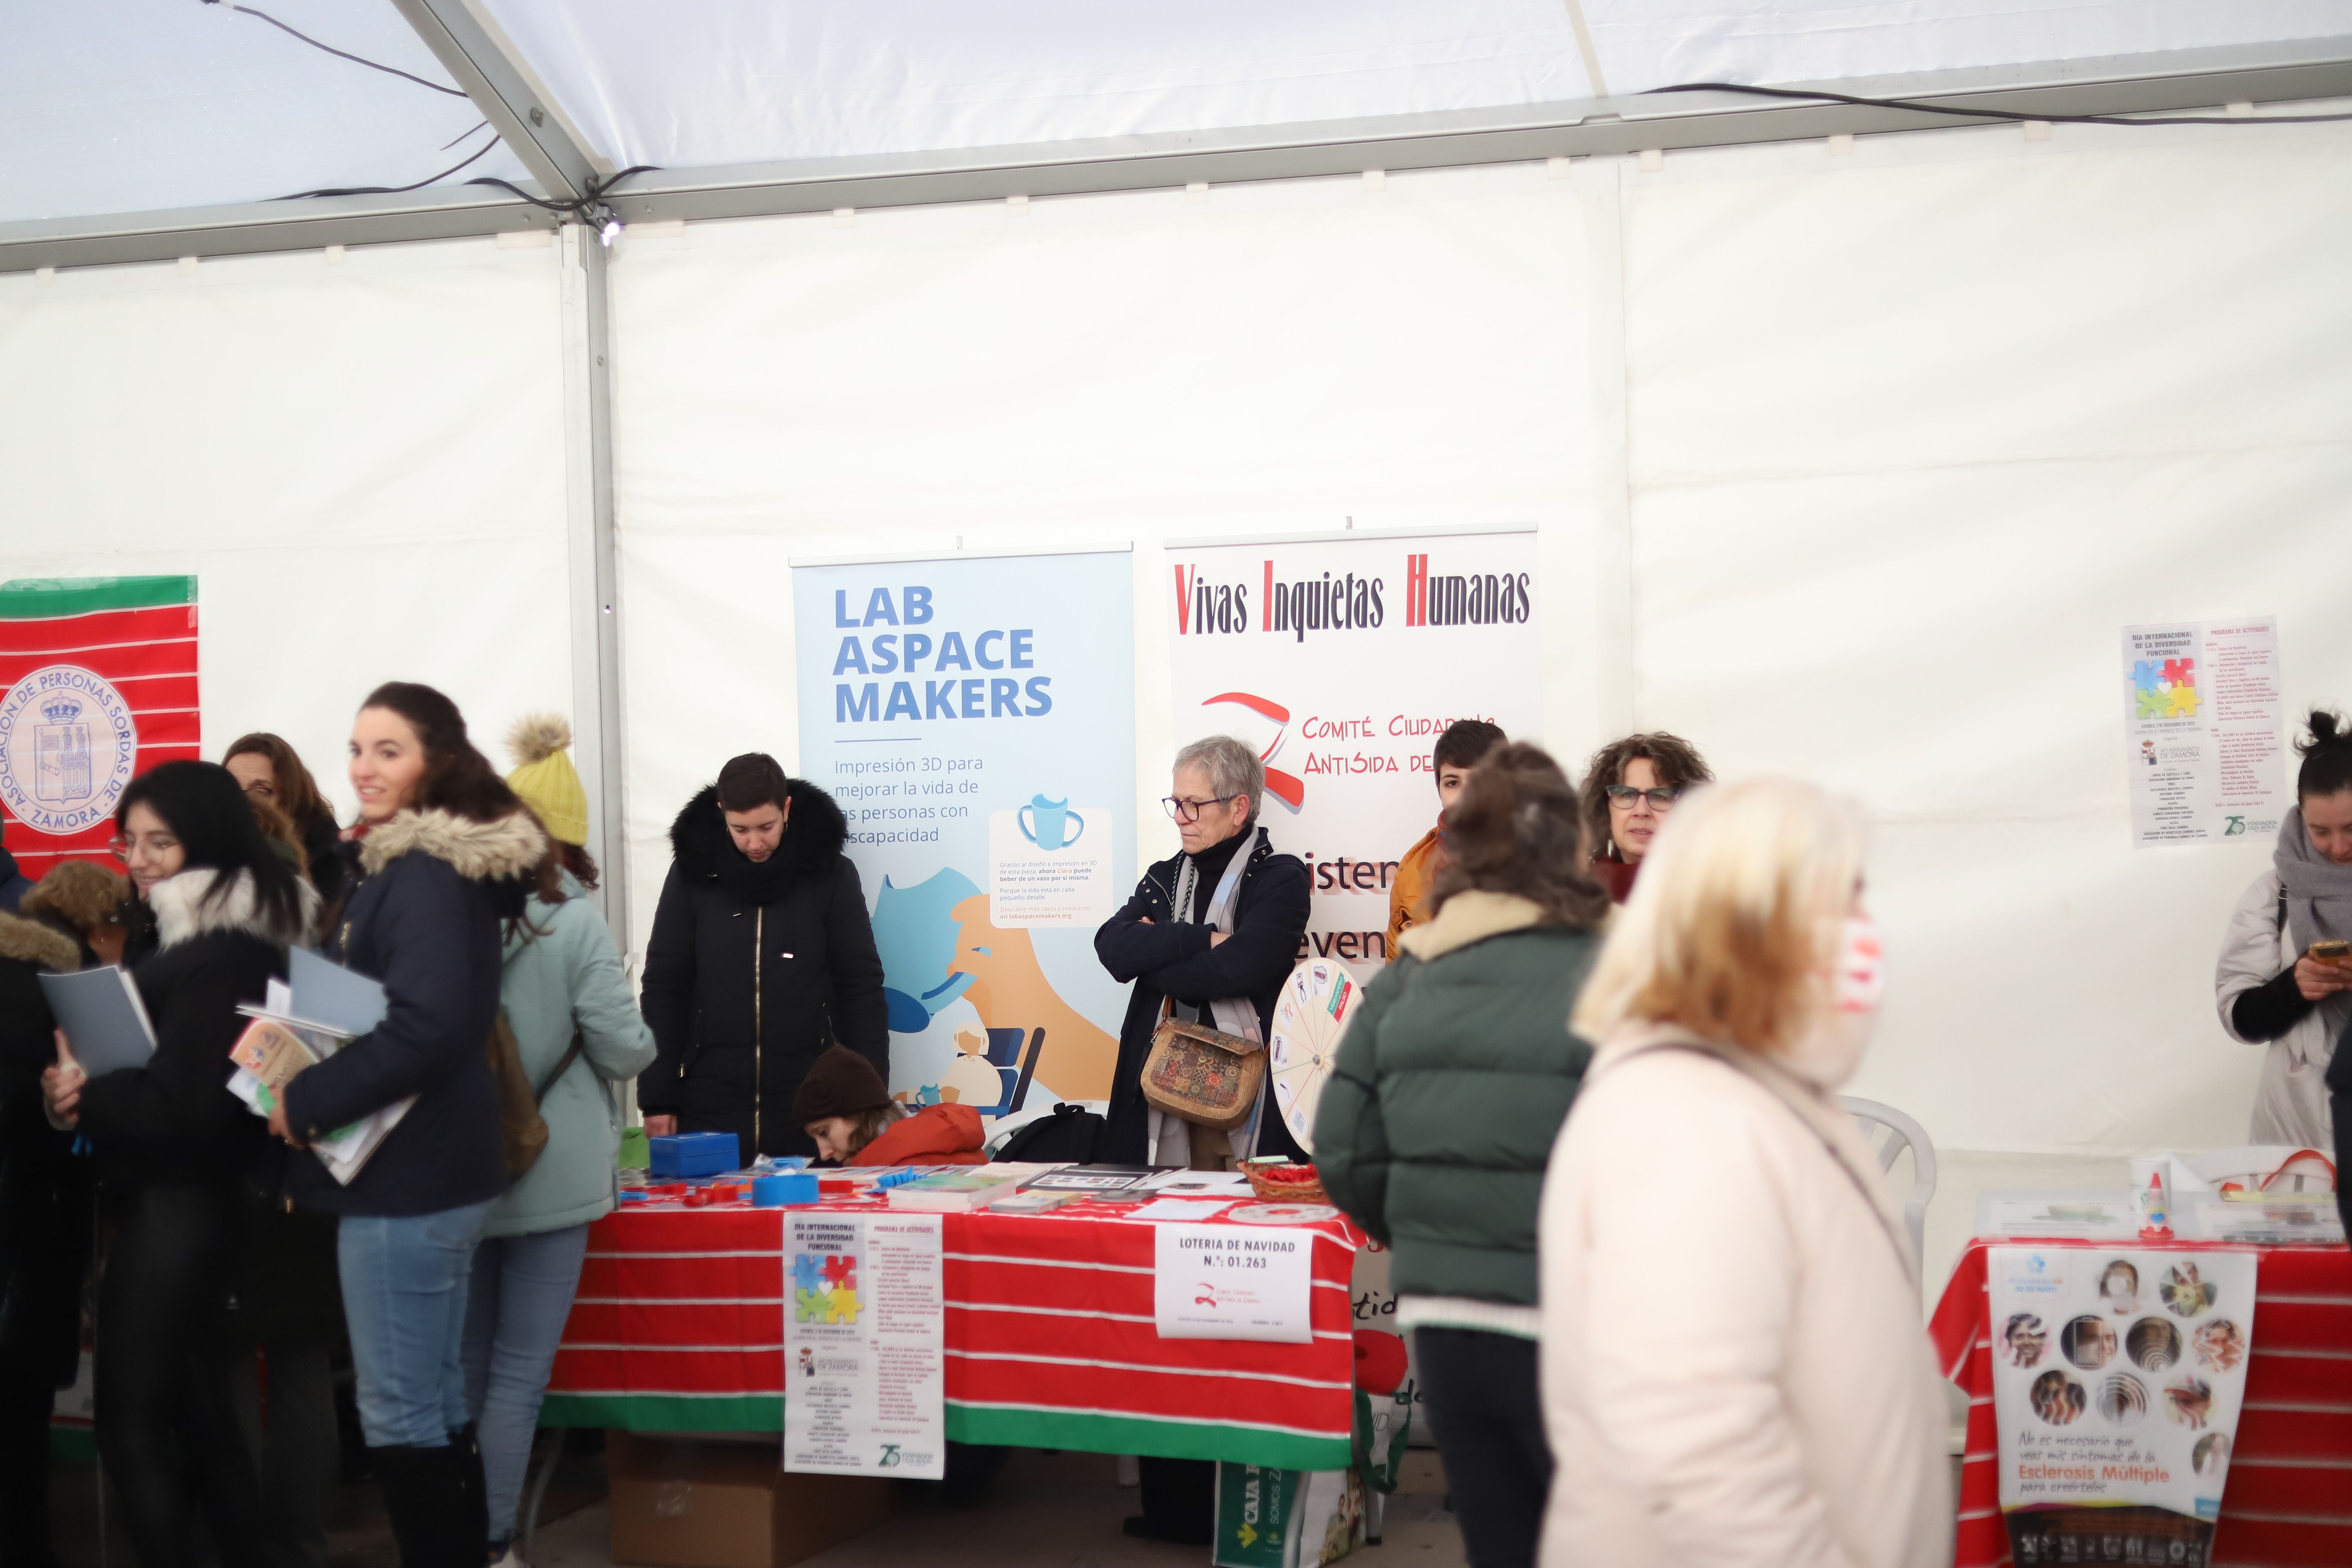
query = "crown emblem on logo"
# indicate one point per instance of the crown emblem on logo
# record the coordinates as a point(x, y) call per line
point(63, 709)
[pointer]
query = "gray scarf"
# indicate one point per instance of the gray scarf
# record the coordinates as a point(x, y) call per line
point(1234, 1014)
point(2318, 903)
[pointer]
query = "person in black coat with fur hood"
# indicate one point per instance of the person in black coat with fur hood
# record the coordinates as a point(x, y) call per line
point(763, 957)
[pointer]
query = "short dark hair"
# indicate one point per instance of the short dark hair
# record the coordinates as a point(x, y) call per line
point(1677, 761)
point(753, 780)
point(1465, 744)
point(1517, 830)
point(2326, 757)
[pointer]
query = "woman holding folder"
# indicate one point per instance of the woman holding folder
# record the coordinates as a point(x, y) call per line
point(174, 1149)
point(450, 853)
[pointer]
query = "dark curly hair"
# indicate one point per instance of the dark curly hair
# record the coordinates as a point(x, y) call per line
point(2326, 756)
point(1677, 761)
point(1515, 829)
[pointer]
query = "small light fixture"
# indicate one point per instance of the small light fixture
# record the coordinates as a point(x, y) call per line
point(607, 222)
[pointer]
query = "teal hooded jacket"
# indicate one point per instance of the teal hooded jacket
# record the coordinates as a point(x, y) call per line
point(562, 974)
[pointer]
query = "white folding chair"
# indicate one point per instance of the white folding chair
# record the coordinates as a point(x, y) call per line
point(1901, 1132)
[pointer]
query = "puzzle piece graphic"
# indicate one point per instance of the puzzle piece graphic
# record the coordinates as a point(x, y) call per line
point(813, 1306)
point(2180, 671)
point(840, 1268)
point(2155, 704)
point(2183, 702)
point(808, 1272)
point(2145, 674)
point(845, 1305)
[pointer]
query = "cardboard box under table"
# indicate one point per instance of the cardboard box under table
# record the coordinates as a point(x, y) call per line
point(1050, 1338)
point(2288, 1500)
point(683, 1504)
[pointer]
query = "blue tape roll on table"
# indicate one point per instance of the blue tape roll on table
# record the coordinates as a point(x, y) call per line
point(784, 1189)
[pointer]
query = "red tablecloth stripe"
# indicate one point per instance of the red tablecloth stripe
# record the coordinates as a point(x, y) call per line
point(2298, 1409)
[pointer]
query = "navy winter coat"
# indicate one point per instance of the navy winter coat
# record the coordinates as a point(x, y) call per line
point(1165, 959)
point(754, 970)
point(426, 921)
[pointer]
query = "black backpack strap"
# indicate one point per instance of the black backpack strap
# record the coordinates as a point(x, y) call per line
point(571, 1055)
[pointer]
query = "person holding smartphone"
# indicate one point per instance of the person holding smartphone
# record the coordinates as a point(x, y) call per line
point(2285, 979)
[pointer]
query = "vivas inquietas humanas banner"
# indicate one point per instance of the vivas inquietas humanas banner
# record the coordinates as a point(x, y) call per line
point(1341, 659)
point(975, 719)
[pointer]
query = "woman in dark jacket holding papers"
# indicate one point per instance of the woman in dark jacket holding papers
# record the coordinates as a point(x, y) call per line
point(449, 854)
point(174, 1149)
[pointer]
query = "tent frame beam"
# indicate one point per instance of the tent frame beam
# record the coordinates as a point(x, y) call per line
point(2311, 70)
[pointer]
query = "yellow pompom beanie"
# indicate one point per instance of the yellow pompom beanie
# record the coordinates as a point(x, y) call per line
point(546, 780)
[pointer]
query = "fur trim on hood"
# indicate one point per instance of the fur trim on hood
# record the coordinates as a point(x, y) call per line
point(81, 893)
point(43, 946)
point(182, 912)
point(814, 835)
point(478, 851)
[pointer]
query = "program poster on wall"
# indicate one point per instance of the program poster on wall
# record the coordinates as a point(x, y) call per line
point(1341, 659)
point(2117, 1378)
point(97, 684)
point(975, 719)
point(2202, 710)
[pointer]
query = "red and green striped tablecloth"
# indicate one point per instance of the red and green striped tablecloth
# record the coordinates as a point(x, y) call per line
point(97, 684)
point(679, 1327)
point(2288, 1499)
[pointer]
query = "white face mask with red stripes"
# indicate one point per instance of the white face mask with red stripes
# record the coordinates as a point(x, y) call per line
point(1830, 1052)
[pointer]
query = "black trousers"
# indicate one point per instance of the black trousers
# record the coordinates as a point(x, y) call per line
point(25, 1403)
point(167, 1427)
point(1486, 1410)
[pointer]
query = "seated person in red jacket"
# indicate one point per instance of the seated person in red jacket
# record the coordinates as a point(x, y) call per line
point(845, 1107)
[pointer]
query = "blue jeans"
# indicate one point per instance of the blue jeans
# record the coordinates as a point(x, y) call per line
point(515, 1314)
point(405, 1300)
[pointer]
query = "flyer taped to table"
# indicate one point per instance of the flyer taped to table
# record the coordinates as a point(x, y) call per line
point(865, 1328)
point(1229, 1282)
point(2117, 1378)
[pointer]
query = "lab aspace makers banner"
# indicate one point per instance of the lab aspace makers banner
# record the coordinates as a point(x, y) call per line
point(974, 717)
point(1341, 660)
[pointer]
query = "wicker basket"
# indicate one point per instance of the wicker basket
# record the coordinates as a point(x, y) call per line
point(1306, 1192)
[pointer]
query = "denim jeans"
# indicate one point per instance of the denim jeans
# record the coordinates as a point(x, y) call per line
point(515, 1314)
point(404, 1279)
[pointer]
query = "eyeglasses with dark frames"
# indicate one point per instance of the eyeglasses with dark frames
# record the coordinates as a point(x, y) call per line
point(1184, 810)
point(1626, 795)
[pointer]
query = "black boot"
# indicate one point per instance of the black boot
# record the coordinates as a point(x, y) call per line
point(425, 1495)
point(475, 1492)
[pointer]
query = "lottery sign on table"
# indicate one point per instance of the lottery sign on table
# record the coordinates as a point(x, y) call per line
point(1308, 1021)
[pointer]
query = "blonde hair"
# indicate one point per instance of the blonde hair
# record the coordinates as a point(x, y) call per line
point(1728, 931)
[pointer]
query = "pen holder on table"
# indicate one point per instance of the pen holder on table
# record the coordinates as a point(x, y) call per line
point(784, 1189)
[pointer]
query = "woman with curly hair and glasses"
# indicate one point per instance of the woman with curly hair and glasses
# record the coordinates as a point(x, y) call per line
point(1629, 787)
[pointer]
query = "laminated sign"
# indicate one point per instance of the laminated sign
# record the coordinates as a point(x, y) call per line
point(2201, 712)
point(865, 1346)
point(2117, 1378)
point(1233, 1282)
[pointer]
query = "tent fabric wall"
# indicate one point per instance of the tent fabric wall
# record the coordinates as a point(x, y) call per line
point(1100, 370)
point(364, 465)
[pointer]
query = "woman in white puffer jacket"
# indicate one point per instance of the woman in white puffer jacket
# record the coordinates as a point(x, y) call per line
point(1734, 1369)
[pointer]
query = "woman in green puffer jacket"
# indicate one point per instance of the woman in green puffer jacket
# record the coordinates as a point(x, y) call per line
point(1450, 1088)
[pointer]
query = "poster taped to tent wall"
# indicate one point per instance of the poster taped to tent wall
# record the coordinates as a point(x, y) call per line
point(1341, 660)
point(865, 1338)
point(2117, 1379)
point(974, 718)
point(97, 684)
point(2201, 712)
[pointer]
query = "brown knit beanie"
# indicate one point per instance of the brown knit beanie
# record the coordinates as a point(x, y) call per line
point(840, 1083)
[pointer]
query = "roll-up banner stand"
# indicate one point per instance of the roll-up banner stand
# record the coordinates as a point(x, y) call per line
point(1341, 658)
point(974, 716)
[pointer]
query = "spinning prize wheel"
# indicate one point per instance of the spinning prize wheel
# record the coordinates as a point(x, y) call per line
point(1316, 1001)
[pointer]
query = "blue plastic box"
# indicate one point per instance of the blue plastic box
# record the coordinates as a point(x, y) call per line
point(695, 1154)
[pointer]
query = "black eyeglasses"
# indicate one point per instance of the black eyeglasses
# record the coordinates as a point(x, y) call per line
point(1184, 810)
point(1626, 795)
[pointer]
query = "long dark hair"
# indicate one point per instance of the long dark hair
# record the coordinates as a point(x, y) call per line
point(2326, 757)
point(297, 792)
point(458, 778)
point(1516, 829)
point(207, 812)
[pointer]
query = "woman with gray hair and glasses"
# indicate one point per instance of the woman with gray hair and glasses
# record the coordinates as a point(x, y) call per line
point(1213, 931)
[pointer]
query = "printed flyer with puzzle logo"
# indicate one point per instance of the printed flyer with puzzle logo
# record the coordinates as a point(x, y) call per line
point(865, 1383)
point(2117, 1379)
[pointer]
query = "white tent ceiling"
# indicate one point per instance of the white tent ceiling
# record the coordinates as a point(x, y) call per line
point(141, 105)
